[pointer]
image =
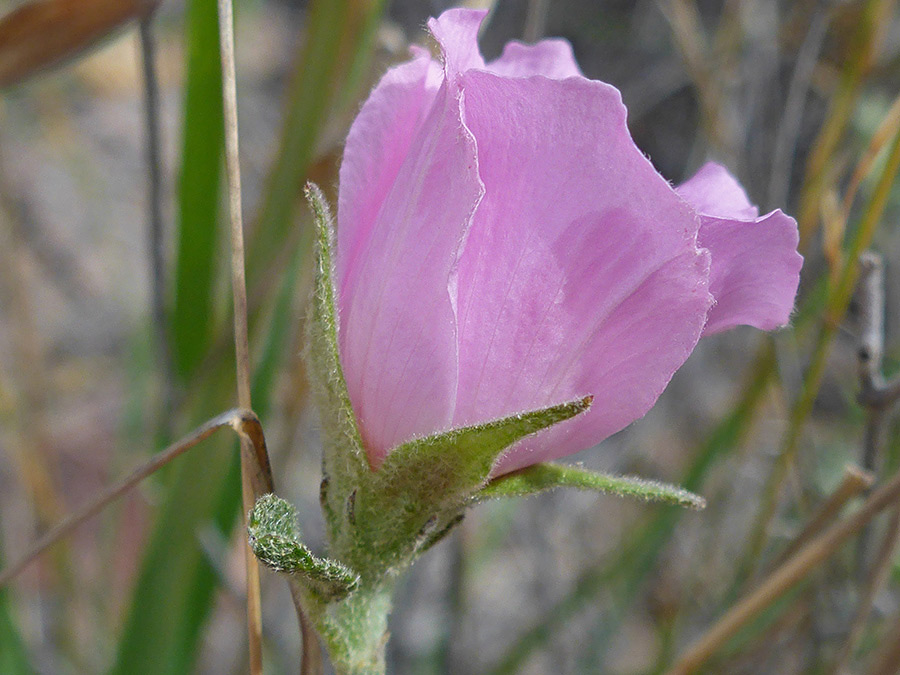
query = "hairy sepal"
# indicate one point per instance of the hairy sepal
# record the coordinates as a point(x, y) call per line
point(344, 463)
point(421, 489)
point(274, 536)
point(542, 477)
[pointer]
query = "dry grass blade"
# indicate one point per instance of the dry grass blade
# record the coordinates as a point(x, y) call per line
point(834, 226)
point(882, 136)
point(44, 32)
point(887, 661)
point(784, 578)
point(251, 465)
point(870, 26)
point(242, 421)
point(876, 578)
point(855, 482)
point(693, 45)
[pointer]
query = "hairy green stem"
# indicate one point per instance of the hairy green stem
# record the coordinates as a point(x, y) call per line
point(354, 629)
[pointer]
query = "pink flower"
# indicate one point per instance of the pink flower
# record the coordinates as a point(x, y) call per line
point(504, 246)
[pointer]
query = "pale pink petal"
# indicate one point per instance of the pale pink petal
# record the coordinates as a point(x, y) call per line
point(580, 274)
point(376, 148)
point(755, 265)
point(755, 270)
point(550, 58)
point(397, 324)
point(628, 361)
point(456, 31)
point(715, 192)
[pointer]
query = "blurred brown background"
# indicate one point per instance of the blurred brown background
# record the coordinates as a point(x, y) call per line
point(746, 83)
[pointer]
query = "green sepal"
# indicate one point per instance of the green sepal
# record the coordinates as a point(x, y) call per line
point(439, 535)
point(455, 462)
point(344, 463)
point(542, 477)
point(337, 411)
point(424, 484)
point(274, 536)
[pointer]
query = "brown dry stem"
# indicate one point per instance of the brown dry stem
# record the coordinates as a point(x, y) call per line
point(241, 340)
point(243, 421)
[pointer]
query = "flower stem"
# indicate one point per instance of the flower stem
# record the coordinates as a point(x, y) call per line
point(354, 629)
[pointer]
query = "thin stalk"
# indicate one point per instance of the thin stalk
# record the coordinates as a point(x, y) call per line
point(785, 145)
point(853, 484)
point(155, 226)
point(870, 351)
point(535, 20)
point(864, 45)
point(241, 340)
point(876, 577)
point(311, 658)
point(887, 660)
point(242, 421)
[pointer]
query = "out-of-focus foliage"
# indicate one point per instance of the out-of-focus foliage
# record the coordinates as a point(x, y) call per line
point(789, 95)
point(42, 33)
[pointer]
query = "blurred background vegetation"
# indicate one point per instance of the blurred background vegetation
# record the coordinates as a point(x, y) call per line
point(113, 342)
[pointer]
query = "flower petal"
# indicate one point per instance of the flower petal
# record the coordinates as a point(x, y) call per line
point(715, 192)
point(550, 58)
point(456, 31)
point(580, 274)
point(755, 264)
point(376, 147)
point(398, 334)
point(755, 270)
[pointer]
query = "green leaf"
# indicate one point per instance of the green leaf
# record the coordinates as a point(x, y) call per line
point(13, 659)
point(198, 191)
point(543, 477)
point(275, 540)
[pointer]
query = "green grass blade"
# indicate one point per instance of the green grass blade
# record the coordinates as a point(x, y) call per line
point(174, 588)
point(176, 583)
point(338, 46)
point(198, 195)
point(13, 657)
point(280, 329)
